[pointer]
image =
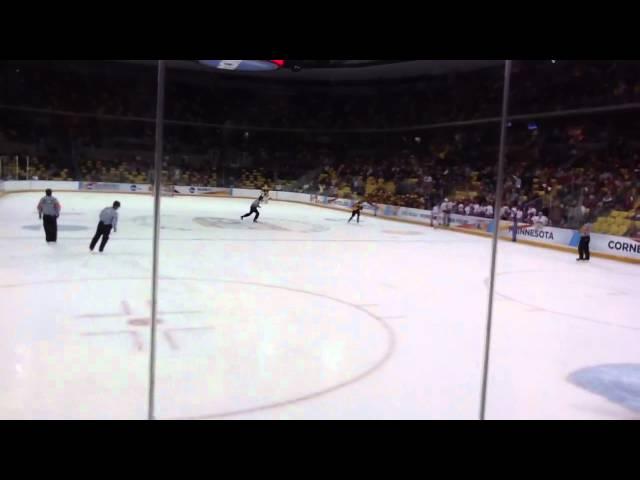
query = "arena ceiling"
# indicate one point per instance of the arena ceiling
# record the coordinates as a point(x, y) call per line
point(349, 70)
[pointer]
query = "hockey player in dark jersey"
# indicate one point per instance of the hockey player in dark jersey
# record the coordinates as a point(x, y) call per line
point(355, 210)
point(254, 209)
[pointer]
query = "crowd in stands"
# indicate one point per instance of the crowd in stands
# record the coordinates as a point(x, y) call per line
point(128, 90)
point(567, 170)
point(568, 175)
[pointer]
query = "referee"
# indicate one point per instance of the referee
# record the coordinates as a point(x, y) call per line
point(49, 211)
point(108, 220)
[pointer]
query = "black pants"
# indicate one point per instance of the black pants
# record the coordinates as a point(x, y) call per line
point(253, 210)
point(50, 223)
point(583, 248)
point(355, 213)
point(102, 231)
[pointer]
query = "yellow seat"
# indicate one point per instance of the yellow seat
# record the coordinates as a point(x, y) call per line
point(390, 187)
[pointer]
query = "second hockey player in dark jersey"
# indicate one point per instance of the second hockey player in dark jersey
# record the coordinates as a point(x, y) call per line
point(254, 209)
point(355, 211)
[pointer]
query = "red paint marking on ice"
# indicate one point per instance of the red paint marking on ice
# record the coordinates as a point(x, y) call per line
point(186, 329)
point(138, 341)
point(143, 321)
point(100, 315)
point(172, 343)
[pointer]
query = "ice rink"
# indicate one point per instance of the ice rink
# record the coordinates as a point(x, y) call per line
point(302, 316)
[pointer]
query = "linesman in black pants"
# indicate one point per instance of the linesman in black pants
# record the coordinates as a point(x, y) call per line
point(108, 219)
point(49, 211)
point(583, 246)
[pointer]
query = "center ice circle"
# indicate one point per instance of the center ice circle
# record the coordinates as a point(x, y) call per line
point(273, 224)
point(224, 347)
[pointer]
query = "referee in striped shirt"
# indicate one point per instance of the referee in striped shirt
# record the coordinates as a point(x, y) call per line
point(108, 220)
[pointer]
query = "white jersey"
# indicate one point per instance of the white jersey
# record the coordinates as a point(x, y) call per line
point(435, 215)
point(488, 210)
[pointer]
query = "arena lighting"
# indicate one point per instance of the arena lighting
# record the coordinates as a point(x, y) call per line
point(245, 65)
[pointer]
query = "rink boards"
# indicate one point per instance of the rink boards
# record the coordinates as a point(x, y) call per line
point(608, 246)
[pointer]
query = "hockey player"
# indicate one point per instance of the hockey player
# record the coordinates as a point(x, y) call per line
point(108, 220)
point(488, 211)
point(544, 220)
point(49, 211)
point(435, 212)
point(539, 221)
point(583, 246)
point(355, 210)
point(446, 212)
point(254, 209)
point(265, 195)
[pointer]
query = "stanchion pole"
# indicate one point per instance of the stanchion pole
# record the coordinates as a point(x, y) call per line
point(156, 233)
point(496, 230)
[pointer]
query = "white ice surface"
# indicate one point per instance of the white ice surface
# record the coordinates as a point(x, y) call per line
point(299, 316)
